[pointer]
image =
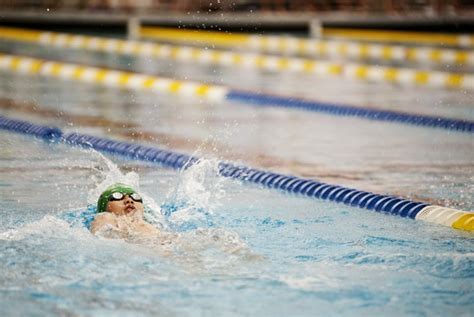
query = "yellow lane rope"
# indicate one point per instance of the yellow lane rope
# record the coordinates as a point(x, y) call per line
point(464, 40)
point(108, 77)
point(404, 76)
point(312, 47)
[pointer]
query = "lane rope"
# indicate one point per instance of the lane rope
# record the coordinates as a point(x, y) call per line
point(291, 184)
point(445, 39)
point(318, 47)
point(363, 72)
point(351, 111)
point(216, 93)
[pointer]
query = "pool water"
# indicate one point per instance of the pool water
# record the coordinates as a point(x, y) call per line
point(230, 248)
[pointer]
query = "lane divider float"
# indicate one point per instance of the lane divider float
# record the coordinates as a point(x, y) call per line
point(393, 75)
point(109, 77)
point(121, 79)
point(291, 184)
point(445, 39)
point(315, 47)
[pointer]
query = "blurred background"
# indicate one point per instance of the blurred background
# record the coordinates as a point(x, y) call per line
point(432, 7)
point(436, 15)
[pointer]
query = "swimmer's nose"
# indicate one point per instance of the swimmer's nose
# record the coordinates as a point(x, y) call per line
point(128, 200)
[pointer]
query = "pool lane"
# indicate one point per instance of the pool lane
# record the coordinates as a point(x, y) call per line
point(425, 101)
point(409, 162)
point(136, 81)
point(314, 189)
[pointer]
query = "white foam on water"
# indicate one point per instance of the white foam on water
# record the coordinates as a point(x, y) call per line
point(111, 175)
point(200, 250)
point(49, 226)
point(198, 192)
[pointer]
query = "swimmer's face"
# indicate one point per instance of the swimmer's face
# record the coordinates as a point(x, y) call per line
point(123, 204)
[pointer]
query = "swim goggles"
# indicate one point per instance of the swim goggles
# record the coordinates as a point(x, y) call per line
point(119, 196)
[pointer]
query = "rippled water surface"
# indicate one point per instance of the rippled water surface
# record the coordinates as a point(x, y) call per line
point(232, 249)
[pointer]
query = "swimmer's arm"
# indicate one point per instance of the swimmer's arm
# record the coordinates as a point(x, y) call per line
point(103, 219)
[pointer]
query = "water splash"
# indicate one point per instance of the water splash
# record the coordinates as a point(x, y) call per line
point(109, 173)
point(48, 226)
point(192, 202)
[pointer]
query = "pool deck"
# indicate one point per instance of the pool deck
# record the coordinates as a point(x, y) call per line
point(242, 20)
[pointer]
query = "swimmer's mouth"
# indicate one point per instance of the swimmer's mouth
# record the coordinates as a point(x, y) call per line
point(130, 208)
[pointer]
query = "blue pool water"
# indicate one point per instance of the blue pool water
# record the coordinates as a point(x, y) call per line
point(232, 249)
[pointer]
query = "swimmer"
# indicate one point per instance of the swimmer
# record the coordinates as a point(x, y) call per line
point(120, 214)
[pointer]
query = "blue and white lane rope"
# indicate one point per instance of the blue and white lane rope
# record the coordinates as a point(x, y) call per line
point(351, 111)
point(217, 93)
point(292, 184)
point(24, 127)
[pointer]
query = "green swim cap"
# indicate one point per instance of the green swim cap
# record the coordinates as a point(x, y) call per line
point(104, 197)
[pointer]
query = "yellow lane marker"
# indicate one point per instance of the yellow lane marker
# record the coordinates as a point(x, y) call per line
point(465, 222)
point(102, 76)
point(285, 44)
point(274, 63)
point(399, 36)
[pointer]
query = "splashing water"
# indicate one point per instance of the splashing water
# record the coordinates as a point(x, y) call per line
point(111, 174)
point(192, 202)
point(49, 226)
point(185, 218)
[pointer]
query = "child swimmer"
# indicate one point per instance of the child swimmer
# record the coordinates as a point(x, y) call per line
point(120, 214)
